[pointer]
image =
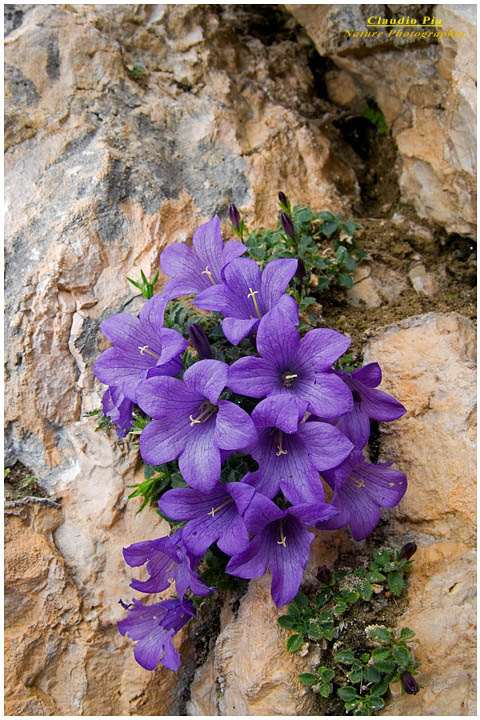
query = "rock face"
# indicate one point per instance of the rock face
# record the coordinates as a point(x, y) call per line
point(427, 94)
point(429, 363)
point(125, 127)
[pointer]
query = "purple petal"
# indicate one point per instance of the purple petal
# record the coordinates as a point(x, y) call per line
point(326, 445)
point(161, 441)
point(260, 512)
point(152, 314)
point(234, 428)
point(251, 562)
point(178, 260)
point(173, 344)
point(167, 398)
point(326, 394)
point(241, 276)
point(370, 375)
point(306, 488)
point(320, 348)
point(309, 513)
point(235, 329)
point(279, 411)
point(356, 426)
point(208, 246)
point(289, 307)
point(381, 406)
point(199, 463)
point(207, 378)
point(121, 329)
point(287, 562)
point(236, 539)
point(275, 278)
point(213, 298)
point(277, 340)
point(188, 504)
point(232, 249)
point(252, 376)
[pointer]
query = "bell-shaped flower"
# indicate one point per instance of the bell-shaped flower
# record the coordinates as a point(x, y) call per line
point(281, 543)
point(211, 516)
point(367, 403)
point(142, 348)
point(191, 423)
point(290, 452)
point(300, 368)
point(192, 271)
point(360, 490)
point(247, 294)
point(118, 408)
point(167, 560)
point(154, 627)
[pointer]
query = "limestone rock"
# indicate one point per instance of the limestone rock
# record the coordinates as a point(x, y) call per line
point(424, 282)
point(375, 284)
point(61, 645)
point(427, 95)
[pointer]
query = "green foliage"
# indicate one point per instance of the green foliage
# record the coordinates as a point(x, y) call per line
point(212, 572)
point(324, 242)
point(136, 72)
point(158, 479)
point(104, 423)
point(359, 678)
point(376, 117)
point(146, 287)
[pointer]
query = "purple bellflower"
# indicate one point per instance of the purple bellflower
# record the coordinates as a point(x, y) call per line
point(118, 408)
point(294, 367)
point(192, 271)
point(212, 516)
point(282, 543)
point(191, 423)
point(154, 627)
point(142, 348)
point(360, 490)
point(167, 560)
point(368, 403)
point(291, 452)
point(247, 294)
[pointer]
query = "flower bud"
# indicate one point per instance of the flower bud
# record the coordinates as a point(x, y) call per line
point(300, 273)
point(283, 198)
point(407, 551)
point(199, 341)
point(324, 575)
point(287, 224)
point(234, 216)
point(409, 683)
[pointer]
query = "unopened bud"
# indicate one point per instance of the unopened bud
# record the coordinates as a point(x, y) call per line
point(409, 683)
point(234, 216)
point(287, 224)
point(300, 273)
point(283, 198)
point(407, 551)
point(199, 341)
point(324, 575)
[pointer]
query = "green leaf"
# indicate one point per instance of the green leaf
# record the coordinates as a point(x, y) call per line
point(345, 657)
point(341, 254)
point(301, 600)
point(376, 576)
point(294, 643)
point(349, 263)
point(325, 215)
point(314, 631)
point(286, 621)
point(329, 227)
point(381, 634)
point(376, 702)
point(328, 631)
point(349, 227)
point(384, 666)
point(372, 675)
point(308, 679)
point(355, 676)
point(381, 687)
point(345, 280)
point(401, 655)
point(347, 693)
point(340, 608)
point(379, 654)
point(406, 634)
point(177, 481)
point(323, 596)
point(325, 690)
point(396, 582)
point(327, 674)
point(366, 590)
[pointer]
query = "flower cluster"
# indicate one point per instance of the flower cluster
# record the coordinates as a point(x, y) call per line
point(309, 425)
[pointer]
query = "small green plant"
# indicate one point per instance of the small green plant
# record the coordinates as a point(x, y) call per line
point(104, 423)
point(146, 287)
point(136, 72)
point(29, 480)
point(377, 118)
point(360, 679)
